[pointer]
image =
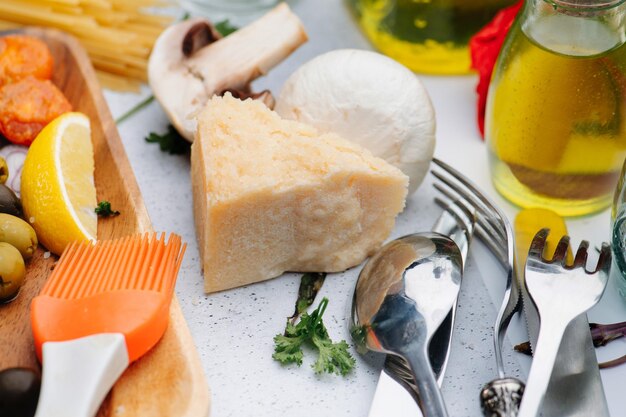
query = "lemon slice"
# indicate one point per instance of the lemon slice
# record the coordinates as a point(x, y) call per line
point(57, 185)
point(527, 223)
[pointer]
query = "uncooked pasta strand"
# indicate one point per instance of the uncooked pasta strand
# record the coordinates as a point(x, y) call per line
point(117, 34)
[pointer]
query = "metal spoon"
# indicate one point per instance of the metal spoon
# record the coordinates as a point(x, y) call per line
point(457, 222)
point(402, 296)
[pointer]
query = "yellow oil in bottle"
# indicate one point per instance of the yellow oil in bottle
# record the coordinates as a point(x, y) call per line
point(428, 36)
point(556, 115)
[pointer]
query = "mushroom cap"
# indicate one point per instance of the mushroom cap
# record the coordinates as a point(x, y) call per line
point(172, 83)
point(369, 99)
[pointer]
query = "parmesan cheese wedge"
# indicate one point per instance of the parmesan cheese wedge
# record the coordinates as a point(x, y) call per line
point(272, 195)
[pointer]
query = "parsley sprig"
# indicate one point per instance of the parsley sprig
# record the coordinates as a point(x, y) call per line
point(225, 28)
point(104, 209)
point(310, 284)
point(170, 141)
point(332, 357)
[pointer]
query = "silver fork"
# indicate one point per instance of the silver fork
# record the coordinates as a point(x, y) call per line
point(560, 293)
point(495, 231)
point(501, 396)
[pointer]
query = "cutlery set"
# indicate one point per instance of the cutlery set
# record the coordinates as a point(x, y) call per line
point(561, 293)
point(453, 230)
point(579, 396)
point(405, 304)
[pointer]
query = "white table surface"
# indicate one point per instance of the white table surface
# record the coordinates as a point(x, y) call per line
point(233, 330)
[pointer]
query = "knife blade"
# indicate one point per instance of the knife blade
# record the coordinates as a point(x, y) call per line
point(394, 393)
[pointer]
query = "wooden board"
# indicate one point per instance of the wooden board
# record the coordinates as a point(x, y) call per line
point(169, 380)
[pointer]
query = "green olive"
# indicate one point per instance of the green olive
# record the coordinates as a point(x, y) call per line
point(12, 272)
point(9, 203)
point(18, 233)
point(4, 170)
point(19, 392)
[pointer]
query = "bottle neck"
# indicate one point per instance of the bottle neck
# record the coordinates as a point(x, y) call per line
point(575, 27)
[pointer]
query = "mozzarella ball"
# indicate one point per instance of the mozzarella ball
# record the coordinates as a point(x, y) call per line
point(369, 99)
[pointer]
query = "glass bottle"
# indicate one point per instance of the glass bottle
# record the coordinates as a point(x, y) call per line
point(428, 36)
point(618, 234)
point(556, 111)
point(237, 12)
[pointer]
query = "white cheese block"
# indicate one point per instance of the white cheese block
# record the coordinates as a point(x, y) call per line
point(272, 195)
point(367, 98)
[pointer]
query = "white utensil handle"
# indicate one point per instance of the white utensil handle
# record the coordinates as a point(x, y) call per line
point(78, 374)
point(541, 369)
point(392, 399)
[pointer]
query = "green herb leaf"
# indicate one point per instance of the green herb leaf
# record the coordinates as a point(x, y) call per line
point(225, 28)
point(104, 210)
point(332, 358)
point(287, 347)
point(171, 141)
point(359, 335)
point(310, 284)
point(135, 109)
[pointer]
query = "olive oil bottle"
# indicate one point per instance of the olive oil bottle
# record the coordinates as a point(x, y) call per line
point(556, 111)
point(428, 36)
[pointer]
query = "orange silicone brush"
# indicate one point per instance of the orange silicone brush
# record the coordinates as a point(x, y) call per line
point(103, 307)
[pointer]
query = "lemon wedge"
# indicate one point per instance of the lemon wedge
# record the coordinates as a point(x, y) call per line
point(57, 184)
point(527, 223)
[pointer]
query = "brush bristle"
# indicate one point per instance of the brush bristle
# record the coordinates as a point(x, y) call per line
point(142, 262)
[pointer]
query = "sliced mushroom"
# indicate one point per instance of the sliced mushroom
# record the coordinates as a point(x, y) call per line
point(198, 36)
point(191, 62)
point(265, 96)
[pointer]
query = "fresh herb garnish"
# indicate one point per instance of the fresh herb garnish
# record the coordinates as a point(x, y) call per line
point(287, 347)
point(332, 357)
point(225, 28)
point(171, 141)
point(359, 336)
point(139, 106)
point(310, 284)
point(104, 210)
point(601, 334)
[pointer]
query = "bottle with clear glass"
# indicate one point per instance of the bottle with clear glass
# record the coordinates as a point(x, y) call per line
point(556, 111)
point(428, 36)
point(237, 12)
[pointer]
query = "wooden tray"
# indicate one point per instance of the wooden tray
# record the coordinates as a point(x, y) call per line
point(169, 380)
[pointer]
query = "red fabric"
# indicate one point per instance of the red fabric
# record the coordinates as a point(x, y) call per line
point(484, 49)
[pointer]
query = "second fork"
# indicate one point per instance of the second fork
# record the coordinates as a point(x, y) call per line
point(560, 293)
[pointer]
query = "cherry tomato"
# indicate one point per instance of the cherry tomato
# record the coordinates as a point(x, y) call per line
point(27, 106)
point(23, 56)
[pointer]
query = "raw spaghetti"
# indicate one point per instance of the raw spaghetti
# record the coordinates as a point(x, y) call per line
point(117, 34)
